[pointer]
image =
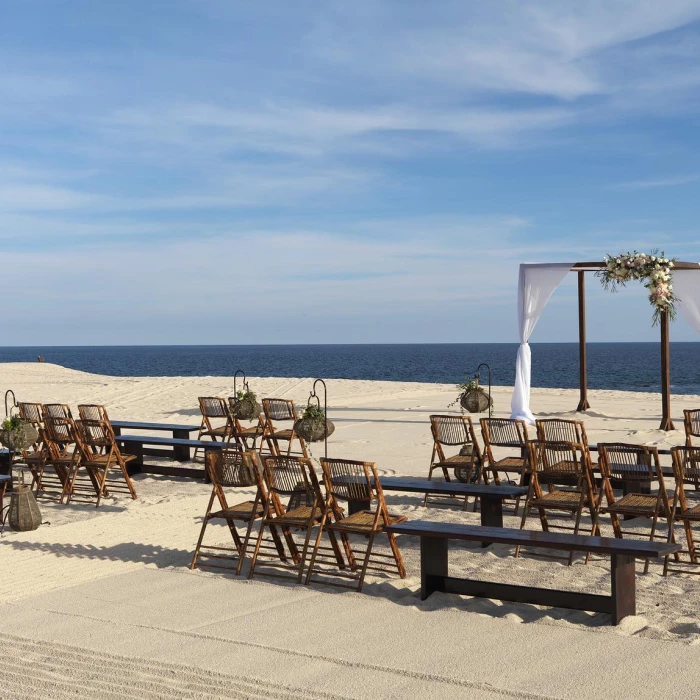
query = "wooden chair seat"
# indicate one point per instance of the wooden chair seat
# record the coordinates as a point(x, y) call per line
point(221, 431)
point(101, 460)
point(569, 500)
point(281, 435)
point(691, 514)
point(511, 464)
point(363, 521)
point(297, 516)
point(253, 430)
point(634, 504)
point(455, 461)
point(241, 511)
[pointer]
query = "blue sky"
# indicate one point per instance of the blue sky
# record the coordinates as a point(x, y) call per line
point(210, 171)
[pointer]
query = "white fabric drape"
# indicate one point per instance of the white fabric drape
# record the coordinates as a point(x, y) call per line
point(536, 282)
point(686, 286)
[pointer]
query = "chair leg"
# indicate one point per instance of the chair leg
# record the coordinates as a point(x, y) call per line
point(397, 555)
point(365, 563)
point(201, 536)
point(305, 549)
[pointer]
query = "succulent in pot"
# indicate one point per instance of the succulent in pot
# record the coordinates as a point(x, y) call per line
point(17, 434)
point(313, 426)
point(245, 405)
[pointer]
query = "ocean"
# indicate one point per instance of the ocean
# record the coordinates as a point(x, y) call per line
point(623, 366)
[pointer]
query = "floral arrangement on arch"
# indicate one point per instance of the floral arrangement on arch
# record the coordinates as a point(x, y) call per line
point(654, 267)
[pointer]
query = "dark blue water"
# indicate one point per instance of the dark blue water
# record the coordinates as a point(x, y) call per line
point(627, 366)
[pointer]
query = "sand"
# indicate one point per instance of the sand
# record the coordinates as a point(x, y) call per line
point(100, 602)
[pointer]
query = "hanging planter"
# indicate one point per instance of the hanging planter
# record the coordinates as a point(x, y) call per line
point(24, 514)
point(17, 434)
point(472, 397)
point(313, 426)
point(245, 405)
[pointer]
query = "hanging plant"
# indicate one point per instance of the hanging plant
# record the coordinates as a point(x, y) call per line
point(472, 397)
point(245, 405)
point(655, 268)
point(17, 434)
point(313, 425)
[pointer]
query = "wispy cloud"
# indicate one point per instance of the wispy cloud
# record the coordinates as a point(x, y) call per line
point(655, 183)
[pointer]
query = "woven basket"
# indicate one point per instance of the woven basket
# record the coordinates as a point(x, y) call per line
point(475, 400)
point(19, 439)
point(313, 430)
point(246, 408)
point(24, 514)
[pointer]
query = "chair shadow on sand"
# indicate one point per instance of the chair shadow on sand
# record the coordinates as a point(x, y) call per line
point(132, 552)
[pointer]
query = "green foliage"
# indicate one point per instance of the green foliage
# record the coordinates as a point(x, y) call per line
point(12, 424)
point(313, 413)
point(246, 395)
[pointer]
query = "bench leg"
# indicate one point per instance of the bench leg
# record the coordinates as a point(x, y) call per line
point(180, 452)
point(623, 587)
point(433, 565)
point(134, 466)
point(491, 513)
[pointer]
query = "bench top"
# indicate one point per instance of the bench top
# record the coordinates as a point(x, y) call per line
point(548, 540)
point(418, 485)
point(156, 440)
point(152, 426)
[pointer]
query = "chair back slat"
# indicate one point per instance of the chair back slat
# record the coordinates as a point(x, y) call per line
point(57, 410)
point(348, 479)
point(213, 407)
point(95, 434)
point(504, 432)
point(59, 429)
point(93, 412)
point(31, 412)
point(691, 423)
point(560, 430)
point(279, 409)
point(287, 475)
point(556, 460)
point(628, 462)
point(452, 430)
point(227, 468)
point(686, 464)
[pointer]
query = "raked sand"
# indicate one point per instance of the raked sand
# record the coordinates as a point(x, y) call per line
point(101, 603)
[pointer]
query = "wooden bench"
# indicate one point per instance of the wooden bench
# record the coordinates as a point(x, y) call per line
point(181, 432)
point(490, 495)
point(134, 445)
point(434, 539)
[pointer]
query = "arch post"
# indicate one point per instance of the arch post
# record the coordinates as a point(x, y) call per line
point(583, 377)
point(666, 422)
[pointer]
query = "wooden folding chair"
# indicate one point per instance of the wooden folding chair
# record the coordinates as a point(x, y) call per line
point(467, 464)
point(101, 455)
point(686, 471)
point(287, 476)
point(506, 433)
point(35, 456)
point(214, 408)
point(66, 455)
point(561, 430)
point(691, 423)
point(229, 469)
point(357, 481)
point(633, 465)
point(276, 411)
point(552, 463)
point(246, 438)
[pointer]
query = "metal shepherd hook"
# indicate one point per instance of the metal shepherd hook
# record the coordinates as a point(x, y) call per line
point(314, 395)
point(478, 377)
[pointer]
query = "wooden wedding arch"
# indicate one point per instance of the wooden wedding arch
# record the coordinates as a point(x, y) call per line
point(581, 268)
